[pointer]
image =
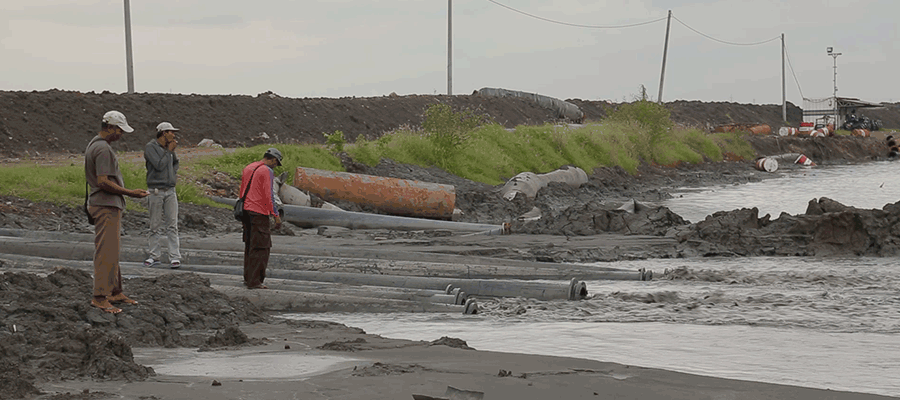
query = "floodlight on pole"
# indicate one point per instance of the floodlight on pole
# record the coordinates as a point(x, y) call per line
point(834, 55)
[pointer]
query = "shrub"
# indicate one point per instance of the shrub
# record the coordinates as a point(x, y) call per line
point(335, 141)
point(654, 121)
point(447, 130)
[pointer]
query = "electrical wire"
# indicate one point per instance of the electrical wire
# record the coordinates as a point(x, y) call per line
point(577, 25)
point(788, 56)
point(658, 20)
point(723, 41)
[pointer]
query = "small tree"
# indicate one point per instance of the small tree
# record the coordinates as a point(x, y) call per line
point(335, 141)
point(447, 130)
point(653, 118)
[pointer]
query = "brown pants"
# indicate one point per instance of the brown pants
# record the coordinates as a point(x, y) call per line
point(257, 242)
point(107, 276)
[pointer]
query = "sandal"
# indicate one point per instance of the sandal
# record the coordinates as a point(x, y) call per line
point(105, 306)
point(150, 262)
point(175, 264)
point(260, 286)
point(121, 298)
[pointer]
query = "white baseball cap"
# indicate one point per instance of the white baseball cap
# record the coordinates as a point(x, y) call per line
point(118, 119)
point(165, 126)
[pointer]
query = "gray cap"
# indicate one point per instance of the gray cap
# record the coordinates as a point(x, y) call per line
point(274, 153)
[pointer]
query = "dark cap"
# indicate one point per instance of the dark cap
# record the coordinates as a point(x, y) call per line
point(274, 153)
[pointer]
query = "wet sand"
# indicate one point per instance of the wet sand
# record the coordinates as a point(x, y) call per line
point(321, 360)
point(379, 368)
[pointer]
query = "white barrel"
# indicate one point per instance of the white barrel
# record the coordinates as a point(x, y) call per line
point(787, 131)
point(806, 127)
point(766, 164)
point(803, 160)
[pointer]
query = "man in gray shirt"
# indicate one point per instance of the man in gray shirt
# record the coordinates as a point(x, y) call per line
point(162, 167)
point(106, 202)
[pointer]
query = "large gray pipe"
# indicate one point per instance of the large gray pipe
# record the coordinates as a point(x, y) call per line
point(529, 183)
point(84, 251)
point(291, 301)
point(286, 296)
point(375, 292)
point(573, 290)
point(310, 216)
point(286, 247)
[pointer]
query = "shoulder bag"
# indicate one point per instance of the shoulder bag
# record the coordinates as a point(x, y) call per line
point(86, 211)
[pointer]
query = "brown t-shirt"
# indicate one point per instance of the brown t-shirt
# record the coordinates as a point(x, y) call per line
point(100, 159)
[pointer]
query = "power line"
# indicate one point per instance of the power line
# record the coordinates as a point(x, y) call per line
point(792, 71)
point(723, 41)
point(577, 25)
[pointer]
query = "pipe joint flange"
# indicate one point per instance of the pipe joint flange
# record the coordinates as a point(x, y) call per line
point(461, 297)
point(573, 289)
point(471, 307)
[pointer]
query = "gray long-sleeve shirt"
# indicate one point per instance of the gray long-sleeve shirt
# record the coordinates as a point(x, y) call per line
point(162, 166)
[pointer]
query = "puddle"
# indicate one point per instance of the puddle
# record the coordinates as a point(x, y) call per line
point(239, 364)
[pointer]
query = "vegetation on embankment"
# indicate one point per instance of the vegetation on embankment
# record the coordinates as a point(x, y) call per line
point(465, 145)
point(460, 142)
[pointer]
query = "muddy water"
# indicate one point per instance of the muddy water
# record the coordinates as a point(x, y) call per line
point(806, 322)
point(864, 186)
point(824, 323)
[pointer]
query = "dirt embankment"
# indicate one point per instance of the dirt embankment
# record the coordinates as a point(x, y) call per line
point(61, 121)
point(64, 121)
point(58, 121)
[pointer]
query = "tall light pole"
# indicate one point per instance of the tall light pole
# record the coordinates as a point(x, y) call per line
point(834, 55)
point(449, 47)
point(129, 62)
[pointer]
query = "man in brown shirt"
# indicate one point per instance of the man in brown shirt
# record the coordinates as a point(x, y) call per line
point(106, 202)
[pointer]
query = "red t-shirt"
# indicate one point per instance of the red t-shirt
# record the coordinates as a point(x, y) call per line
point(260, 199)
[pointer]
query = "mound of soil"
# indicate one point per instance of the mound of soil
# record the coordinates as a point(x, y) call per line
point(64, 121)
point(57, 121)
point(55, 334)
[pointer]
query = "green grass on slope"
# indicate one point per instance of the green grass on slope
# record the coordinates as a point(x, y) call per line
point(488, 153)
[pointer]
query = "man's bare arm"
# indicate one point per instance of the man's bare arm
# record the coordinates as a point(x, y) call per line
point(111, 186)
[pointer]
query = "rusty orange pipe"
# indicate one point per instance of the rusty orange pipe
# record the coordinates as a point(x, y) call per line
point(760, 129)
point(391, 195)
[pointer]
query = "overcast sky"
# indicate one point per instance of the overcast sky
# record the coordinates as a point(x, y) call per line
point(365, 48)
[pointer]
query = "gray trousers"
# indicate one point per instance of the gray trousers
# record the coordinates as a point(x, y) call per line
point(164, 223)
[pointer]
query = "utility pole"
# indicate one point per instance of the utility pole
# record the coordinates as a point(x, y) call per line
point(449, 47)
point(834, 55)
point(662, 75)
point(129, 62)
point(783, 91)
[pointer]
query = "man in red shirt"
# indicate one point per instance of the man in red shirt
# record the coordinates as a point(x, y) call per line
point(258, 206)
